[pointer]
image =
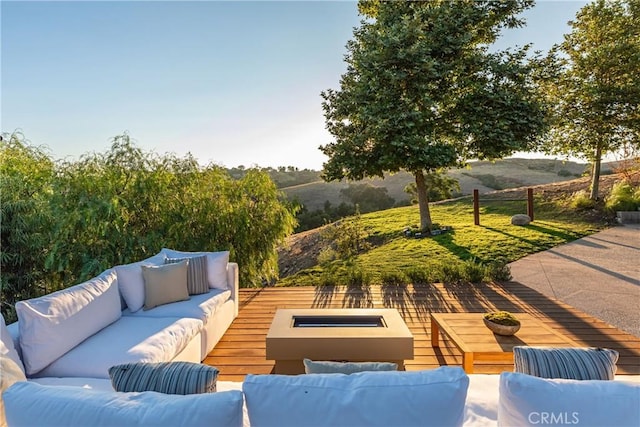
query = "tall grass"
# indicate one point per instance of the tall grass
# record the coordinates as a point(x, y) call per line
point(623, 197)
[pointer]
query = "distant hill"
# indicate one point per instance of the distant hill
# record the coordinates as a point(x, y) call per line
point(483, 175)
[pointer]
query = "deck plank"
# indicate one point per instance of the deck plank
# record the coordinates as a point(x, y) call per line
point(241, 350)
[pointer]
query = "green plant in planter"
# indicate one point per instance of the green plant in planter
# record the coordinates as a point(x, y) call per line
point(502, 318)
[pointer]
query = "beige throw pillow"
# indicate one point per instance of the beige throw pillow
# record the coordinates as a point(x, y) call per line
point(164, 284)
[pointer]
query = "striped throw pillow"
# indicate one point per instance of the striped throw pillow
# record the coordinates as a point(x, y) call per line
point(167, 377)
point(196, 273)
point(567, 363)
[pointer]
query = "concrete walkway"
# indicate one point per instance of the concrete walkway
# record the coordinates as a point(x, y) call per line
point(598, 274)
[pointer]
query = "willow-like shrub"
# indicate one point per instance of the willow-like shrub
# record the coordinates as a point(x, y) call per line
point(66, 221)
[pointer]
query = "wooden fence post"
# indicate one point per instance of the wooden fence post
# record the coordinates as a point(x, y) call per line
point(476, 207)
point(530, 203)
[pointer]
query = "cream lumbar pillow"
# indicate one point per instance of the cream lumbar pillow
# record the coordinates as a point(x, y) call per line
point(10, 373)
point(165, 284)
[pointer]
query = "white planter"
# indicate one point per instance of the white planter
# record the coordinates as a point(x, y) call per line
point(628, 217)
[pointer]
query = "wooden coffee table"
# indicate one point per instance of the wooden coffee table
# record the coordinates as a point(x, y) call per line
point(477, 342)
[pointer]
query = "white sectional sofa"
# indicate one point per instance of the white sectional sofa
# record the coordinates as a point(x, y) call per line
point(83, 330)
point(435, 398)
point(65, 342)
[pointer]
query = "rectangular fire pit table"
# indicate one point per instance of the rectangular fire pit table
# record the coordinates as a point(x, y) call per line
point(476, 342)
point(354, 335)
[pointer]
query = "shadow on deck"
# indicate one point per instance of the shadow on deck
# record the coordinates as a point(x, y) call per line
point(242, 349)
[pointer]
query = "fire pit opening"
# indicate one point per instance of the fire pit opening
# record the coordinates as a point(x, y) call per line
point(345, 321)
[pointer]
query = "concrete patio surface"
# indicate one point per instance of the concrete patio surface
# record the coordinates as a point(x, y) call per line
point(598, 274)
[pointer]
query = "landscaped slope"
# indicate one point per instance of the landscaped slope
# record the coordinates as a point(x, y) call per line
point(495, 239)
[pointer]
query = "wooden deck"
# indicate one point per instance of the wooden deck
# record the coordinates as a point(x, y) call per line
point(242, 349)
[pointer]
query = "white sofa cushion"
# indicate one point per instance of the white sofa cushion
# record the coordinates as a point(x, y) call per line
point(130, 339)
point(7, 346)
point(216, 265)
point(131, 281)
point(201, 306)
point(525, 400)
point(420, 398)
point(10, 373)
point(53, 324)
point(82, 382)
point(30, 404)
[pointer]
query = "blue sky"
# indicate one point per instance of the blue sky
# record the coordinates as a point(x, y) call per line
point(234, 83)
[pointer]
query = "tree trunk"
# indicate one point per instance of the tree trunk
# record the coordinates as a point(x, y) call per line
point(423, 201)
point(595, 173)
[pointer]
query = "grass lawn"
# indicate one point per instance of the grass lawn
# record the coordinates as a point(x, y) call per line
point(494, 240)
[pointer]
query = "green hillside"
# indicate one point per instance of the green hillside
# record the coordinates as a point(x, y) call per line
point(483, 175)
point(390, 255)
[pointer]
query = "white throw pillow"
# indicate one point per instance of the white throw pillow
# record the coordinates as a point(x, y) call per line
point(216, 265)
point(53, 324)
point(7, 347)
point(30, 404)
point(131, 281)
point(526, 400)
point(420, 398)
point(10, 373)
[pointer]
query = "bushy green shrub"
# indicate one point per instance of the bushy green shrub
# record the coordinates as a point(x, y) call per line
point(580, 200)
point(498, 271)
point(345, 238)
point(329, 278)
point(26, 174)
point(472, 271)
point(64, 222)
point(394, 278)
point(357, 277)
point(419, 275)
point(623, 197)
point(450, 272)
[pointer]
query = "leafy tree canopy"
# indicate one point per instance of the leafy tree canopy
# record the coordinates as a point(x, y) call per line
point(423, 92)
point(595, 90)
point(440, 187)
point(367, 197)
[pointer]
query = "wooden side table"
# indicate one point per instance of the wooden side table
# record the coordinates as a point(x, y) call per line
point(476, 342)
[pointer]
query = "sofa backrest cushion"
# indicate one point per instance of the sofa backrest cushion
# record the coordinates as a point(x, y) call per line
point(216, 265)
point(7, 346)
point(53, 324)
point(420, 398)
point(526, 400)
point(131, 281)
point(30, 404)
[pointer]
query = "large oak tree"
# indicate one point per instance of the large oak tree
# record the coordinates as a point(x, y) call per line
point(423, 91)
point(596, 95)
